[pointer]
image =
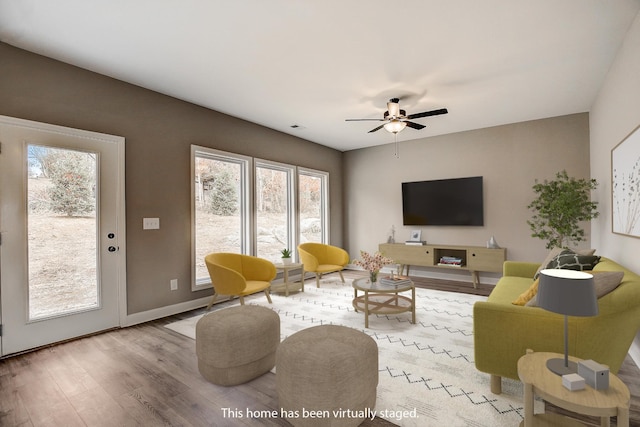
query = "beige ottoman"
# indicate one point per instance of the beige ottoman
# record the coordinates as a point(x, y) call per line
point(324, 369)
point(235, 345)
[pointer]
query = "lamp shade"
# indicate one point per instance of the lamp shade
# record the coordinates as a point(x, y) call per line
point(394, 126)
point(567, 292)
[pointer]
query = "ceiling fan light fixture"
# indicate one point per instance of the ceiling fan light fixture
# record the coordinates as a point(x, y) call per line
point(395, 119)
point(394, 126)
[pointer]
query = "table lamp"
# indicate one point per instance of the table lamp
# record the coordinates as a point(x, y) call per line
point(571, 293)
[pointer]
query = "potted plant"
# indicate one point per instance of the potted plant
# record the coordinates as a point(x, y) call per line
point(286, 256)
point(559, 208)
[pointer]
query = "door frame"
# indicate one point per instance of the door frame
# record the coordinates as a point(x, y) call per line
point(119, 142)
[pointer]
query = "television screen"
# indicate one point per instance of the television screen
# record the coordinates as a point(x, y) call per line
point(455, 201)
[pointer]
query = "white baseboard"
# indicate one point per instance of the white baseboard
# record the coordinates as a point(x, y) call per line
point(170, 310)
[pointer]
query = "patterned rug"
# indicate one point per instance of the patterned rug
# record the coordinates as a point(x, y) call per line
point(427, 375)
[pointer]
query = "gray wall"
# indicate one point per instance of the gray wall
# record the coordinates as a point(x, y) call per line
point(159, 131)
point(614, 115)
point(510, 158)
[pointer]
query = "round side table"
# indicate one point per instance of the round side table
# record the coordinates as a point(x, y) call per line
point(286, 285)
point(539, 380)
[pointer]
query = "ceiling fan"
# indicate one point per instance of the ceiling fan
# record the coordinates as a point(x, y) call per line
point(396, 119)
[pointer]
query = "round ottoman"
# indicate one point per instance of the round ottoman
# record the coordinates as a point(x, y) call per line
point(235, 345)
point(324, 369)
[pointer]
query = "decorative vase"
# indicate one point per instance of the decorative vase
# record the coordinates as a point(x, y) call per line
point(492, 244)
point(373, 276)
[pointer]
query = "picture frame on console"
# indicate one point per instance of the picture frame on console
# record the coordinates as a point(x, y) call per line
point(415, 236)
point(625, 180)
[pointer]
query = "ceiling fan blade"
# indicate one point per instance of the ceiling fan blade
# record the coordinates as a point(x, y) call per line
point(376, 129)
point(417, 126)
point(428, 113)
point(363, 120)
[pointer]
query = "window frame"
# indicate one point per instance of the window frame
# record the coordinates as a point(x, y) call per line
point(248, 194)
point(292, 200)
point(246, 204)
point(324, 205)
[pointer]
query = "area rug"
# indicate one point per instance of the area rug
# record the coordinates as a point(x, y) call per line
point(427, 375)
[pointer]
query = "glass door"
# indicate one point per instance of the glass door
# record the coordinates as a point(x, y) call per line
point(60, 259)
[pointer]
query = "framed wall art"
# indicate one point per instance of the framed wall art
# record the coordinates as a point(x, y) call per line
point(625, 185)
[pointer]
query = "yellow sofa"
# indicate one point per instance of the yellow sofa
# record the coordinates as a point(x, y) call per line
point(503, 331)
point(320, 258)
point(239, 275)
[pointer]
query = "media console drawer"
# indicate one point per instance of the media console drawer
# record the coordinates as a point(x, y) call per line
point(484, 259)
point(410, 255)
point(473, 258)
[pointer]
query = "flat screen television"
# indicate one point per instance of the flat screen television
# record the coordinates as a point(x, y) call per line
point(457, 201)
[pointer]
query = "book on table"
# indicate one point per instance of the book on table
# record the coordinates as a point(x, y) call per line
point(395, 280)
point(450, 261)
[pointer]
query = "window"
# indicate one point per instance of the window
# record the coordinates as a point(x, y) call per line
point(314, 208)
point(62, 227)
point(274, 203)
point(220, 206)
point(232, 212)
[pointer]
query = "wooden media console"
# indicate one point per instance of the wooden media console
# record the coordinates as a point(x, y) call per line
point(472, 258)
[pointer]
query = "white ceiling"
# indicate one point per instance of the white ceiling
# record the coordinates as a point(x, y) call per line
point(315, 63)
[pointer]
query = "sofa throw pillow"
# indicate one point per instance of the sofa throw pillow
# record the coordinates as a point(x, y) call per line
point(527, 295)
point(570, 260)
point(550, 256)
point(604, 282)
point(553, 253)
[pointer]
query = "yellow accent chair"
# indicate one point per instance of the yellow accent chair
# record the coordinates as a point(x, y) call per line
point(239, 275)
point(319, 258)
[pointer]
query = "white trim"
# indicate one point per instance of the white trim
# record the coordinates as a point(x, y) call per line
point(169, 310)
point(122, 233)
point(292, 202)
point(246, 203)
point(248, 189)
point(113, 302)
point(325, 208)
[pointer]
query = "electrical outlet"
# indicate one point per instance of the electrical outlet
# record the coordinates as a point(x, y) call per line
point(174, 284)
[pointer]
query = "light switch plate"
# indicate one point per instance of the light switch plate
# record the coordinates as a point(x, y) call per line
point(150, 223)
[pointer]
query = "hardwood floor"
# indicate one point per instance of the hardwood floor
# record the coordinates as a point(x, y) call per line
point(147, 375)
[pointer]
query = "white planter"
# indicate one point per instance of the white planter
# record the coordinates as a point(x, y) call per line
point(286, 261)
